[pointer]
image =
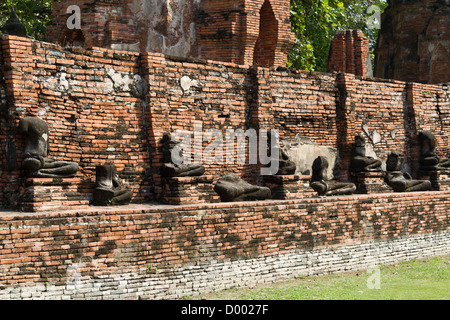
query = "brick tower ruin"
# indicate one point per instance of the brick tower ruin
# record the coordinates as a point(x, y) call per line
point(239, 31)
point(414, 41)
point(349, 53)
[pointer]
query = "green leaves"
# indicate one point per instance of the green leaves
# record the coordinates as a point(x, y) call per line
point(316, 22)
point(34, 14)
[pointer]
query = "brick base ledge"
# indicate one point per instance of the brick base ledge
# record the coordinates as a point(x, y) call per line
point(132, 284)
point(159, 207)
point(165, 251)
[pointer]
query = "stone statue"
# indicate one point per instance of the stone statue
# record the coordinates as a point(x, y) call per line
point(232, 188)
point(429, 161)
point(13, 26)
point(360, 162)
point(328, 187)
point(107, 188)
point(399, 181)
point(285, 165)
point(35, 163)
point(170, 169)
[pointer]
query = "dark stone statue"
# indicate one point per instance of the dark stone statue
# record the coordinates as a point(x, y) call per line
point(14, 27)
point(232, 188)
point(360, 162)
point(182, 170)
point(399, 181)
point(328, 187)
point(429, 161)
point(107, 188)
point(170, 169)
point(35, 163)
point(286, 166)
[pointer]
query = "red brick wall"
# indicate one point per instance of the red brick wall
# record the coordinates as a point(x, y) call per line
point(302, 103)
point(103, 23)
point(225, 30)
point(39, 248)
point(91, 121)
point(370, 106)
point(414, 42)
point(349, 52)
point(232, 30)
point(95, 115)
point(222, 100)
point(396, 110)
point(429, 106)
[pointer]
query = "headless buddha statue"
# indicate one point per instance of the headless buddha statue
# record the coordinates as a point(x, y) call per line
point(36, 164)
point(232, 188)
point(171, 169)
point(325, 187)
point(107, 188)
point(429, 161)
point(400, 181)
point(360, 162)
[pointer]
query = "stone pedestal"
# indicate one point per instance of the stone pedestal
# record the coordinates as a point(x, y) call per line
point(51, 194)
point(189, 190)
point(289, 187)
point(440, 179)
point(369, 182)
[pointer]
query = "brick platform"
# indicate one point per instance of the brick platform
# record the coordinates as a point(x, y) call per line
point(51, 194)
point(350, 53)
point(289, 187)
point(370, 182)
point(440, 179)
point(161, 251)
point(189, 190)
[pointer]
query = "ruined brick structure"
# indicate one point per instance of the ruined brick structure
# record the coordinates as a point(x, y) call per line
point(414, 41)
point(349, 53)
point(245, 32)
point(175, 239)
point(238, 31)
point(157, 26)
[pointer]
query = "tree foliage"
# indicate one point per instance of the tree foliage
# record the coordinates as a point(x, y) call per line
point(34, 14)
point(315, 22)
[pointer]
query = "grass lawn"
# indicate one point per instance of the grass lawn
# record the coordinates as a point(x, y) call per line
point(427, 279)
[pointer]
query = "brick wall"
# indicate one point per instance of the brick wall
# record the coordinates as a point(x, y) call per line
point(372, 108)
point(245, 32)
point(159, 252)
point(394, 111)
point(301, 103)
point(104, 23)
point(218, 97)
point(349, 53)
point(90, 103)
point(104, 105)
point(414, 42)
point(217, 30)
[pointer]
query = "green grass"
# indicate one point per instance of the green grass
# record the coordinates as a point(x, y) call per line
point(427, 279)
